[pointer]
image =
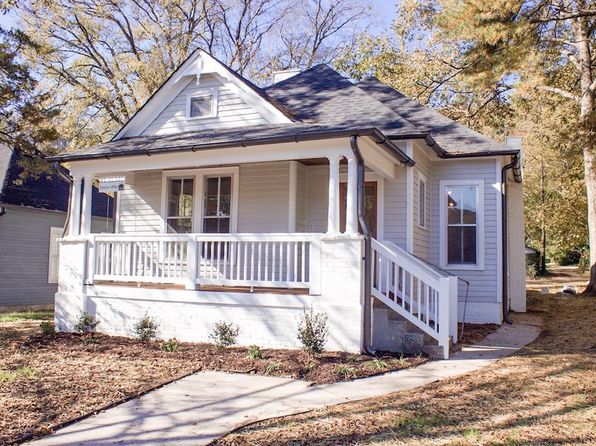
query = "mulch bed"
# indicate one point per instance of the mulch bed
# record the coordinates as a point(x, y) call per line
point(52, 380)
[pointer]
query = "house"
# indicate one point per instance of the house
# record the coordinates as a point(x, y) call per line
point(32, 217)
point(248, 205)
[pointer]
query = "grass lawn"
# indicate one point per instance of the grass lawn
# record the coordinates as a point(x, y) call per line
point(543, 395)
point(32, 315)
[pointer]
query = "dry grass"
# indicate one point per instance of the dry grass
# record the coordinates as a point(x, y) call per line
point(543, 395)
point(49, 380)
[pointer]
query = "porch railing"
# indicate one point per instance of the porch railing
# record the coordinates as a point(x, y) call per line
point(414, 289)
point(252, 260)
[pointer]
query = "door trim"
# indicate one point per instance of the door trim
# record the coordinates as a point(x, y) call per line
point(374, 177)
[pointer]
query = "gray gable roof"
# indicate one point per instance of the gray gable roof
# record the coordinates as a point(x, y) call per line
point(320, 94)
point(451, 136)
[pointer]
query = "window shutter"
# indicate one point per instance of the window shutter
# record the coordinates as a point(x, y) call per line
point(54, 255)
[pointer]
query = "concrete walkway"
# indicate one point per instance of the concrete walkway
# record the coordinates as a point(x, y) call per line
point(197, 409)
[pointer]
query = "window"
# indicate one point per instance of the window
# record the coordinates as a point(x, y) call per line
point(54, 257)
point(462, 219)
point(422, 202)
point(217, 204)
point(180, 205)
point(202, 105)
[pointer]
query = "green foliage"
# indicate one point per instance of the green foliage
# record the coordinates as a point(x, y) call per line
point(13, 375)
point(377, 364)
point(255, 352)
point(345, 371)
point(170, 346)
point(146, 328)
point(47, 328)
point(86, 323)
point(35, 315)
point(273, 367)
point(313, 331)
point(224, 334)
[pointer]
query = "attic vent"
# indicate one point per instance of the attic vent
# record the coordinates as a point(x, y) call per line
point(279, 76)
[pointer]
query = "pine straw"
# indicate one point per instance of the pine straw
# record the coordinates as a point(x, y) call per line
point(46, 381)
point(543, 395)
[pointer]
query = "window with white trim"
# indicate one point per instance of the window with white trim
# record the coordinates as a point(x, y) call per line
point(422, 202)
point(203, 104)
point(217, 204)
point(462, 217)
point(180, 204)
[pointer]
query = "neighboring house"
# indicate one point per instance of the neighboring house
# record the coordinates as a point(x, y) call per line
point(243, 204)
point(32, 217)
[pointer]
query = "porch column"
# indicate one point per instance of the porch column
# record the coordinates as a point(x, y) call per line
point(352, 197)
point(86, 213)
point(74, 223)
point(333, 210)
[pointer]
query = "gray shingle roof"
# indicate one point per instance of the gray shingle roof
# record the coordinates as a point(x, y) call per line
point(454, 138)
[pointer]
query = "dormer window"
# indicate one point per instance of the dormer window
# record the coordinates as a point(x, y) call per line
point(202, 105)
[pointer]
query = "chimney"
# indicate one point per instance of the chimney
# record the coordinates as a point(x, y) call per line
point(279, 76)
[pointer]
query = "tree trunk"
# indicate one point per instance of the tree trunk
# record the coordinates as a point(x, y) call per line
point(590, 175)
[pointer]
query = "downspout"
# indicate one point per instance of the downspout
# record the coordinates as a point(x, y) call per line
point(504, 244)
point(69, 180)
point(367, 313)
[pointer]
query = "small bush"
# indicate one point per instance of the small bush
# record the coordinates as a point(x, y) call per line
point(224, 334)
point(272, 368)
point(47, 328)
point(254, 352)
point(312, 332)
point(170, 346)
point(86, 324)
point(377, 364)
point(345, 371)
point(145, 329)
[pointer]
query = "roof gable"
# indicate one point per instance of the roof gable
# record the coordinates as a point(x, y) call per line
point(196, 67)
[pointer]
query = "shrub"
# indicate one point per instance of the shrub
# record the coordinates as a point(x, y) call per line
point(254, 352)
point(345, 371)
point(312, 331)
point(47, 328)
point(145, 329)
point(272, 367)
point(85, 324)
point(170, 346)
point(378, 364)
point(224, 334)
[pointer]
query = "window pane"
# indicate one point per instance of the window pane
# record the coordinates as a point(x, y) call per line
point(210, 225)
point(211, 197)
point(225, 198)
point(454, 205)
point(224, 225)
point(469, 244)
point(201, 106)
point(174, 197)
point(469, 205)
point(179, 225)
point(454, 244)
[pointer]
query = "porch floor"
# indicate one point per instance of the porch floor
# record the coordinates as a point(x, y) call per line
point(210, 288)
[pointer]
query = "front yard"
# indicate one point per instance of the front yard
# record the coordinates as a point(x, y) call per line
point(543, 395)
point(49, 380)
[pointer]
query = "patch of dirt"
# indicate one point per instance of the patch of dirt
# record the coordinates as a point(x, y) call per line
point(545, 394)
point(474, 333)
point(71, 375)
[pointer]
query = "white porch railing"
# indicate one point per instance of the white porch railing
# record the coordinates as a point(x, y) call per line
point(415, 290)
point(253, 260)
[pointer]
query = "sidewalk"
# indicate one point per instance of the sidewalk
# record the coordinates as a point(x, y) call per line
point(197, 409)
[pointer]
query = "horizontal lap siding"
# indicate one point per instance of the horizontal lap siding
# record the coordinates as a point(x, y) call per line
point(232, 111)
point(301, 198)
point(140, 204)
point(263, 197)
point(483, 284)
point(395, 208)
point(421, 236)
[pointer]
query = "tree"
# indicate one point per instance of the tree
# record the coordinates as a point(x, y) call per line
point(25, 122)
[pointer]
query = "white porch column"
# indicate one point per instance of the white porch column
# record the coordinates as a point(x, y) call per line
point(75, 207)
point(352, 197)
point(333, 209)
point(86, 212)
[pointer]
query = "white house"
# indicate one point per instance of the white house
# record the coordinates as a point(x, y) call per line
point(249, 205)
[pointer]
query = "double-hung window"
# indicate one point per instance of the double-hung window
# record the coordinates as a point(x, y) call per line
point(462, 220)
point(180, 204)
point(217, 204)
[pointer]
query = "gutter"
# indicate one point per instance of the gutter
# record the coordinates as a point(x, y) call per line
point(504, 245)
point(372, 133)
point(367, 310)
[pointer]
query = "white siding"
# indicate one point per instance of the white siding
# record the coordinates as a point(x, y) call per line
point(317, 196)
point(233, 111)
point(395, 208)
point(301, 198)
point(263, 197)
point(421, 236)
point(140, 204)
point(483, 284)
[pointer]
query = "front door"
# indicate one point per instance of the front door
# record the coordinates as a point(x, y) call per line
point(370, 206)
